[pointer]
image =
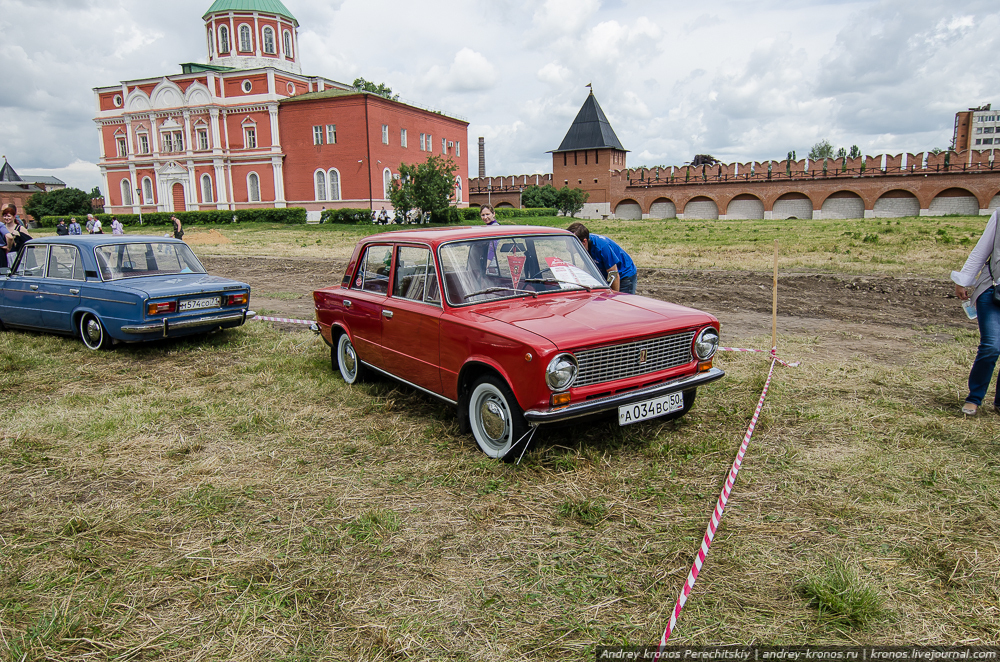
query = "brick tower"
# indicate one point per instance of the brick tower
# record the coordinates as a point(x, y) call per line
point(588, 155)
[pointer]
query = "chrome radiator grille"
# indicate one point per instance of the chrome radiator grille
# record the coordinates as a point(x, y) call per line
point(607, 364)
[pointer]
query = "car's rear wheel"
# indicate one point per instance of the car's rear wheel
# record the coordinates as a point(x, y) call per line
point(346, 360)
point(496, 419)
point(93, 333)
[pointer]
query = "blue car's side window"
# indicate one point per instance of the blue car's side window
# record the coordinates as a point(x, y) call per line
point(32, 261)
point(64, 263)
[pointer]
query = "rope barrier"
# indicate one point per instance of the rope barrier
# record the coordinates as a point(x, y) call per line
point(282, 319)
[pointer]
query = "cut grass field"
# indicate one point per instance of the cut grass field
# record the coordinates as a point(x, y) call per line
point(921, 246)
point(231, 498)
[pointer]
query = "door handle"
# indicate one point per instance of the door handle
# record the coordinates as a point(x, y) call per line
point(347, 303)
point(387, 314)
point(33, 287)
point(74, 290)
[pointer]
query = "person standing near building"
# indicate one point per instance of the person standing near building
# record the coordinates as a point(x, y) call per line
point(61, 228)
point(74, 227)
point(116, 226)
point(98, 228)
point(90, 223)
point(178, 229)
point(610, 258)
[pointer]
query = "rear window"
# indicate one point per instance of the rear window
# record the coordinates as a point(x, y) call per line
point(154, 258)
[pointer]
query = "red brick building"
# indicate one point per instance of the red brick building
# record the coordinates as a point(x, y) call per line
point(249, 130)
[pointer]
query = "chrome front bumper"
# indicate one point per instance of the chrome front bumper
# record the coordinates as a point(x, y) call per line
point(598, 405)
point(164, 326)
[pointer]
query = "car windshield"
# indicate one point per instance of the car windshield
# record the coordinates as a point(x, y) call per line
point(506, 267)
point(152, 258)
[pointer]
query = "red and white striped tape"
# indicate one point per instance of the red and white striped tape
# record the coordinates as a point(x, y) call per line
point(713, 523)
point(282, 319)
point(772, 352)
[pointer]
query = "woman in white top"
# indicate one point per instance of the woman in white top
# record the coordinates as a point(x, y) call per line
point(976, 274)
point(116, 226)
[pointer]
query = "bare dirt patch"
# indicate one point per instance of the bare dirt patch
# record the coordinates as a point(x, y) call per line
point(210, 237)
point(875, 316)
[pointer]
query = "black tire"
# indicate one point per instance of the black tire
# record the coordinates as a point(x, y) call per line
point(497, 421)
point(92, 332)
point(688, 403)
point(345, 359)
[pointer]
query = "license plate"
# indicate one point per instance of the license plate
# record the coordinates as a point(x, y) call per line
point(198, 304)
point(640, 411)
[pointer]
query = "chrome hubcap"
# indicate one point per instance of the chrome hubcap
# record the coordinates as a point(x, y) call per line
point(347, 356)
point(494, 418)
point(92, 329)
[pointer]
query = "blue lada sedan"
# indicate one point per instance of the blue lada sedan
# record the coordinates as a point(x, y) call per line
point(108, 289)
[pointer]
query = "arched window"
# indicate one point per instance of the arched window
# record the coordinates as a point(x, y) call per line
point(147, 191)
point(287, 36)
point(246, 44)
point(223, 39)
point(320, 185)
point(268, 40)
point(126, 193)
point(206, 189)
point(458, 189)
point(386, 182)
point(334, 184)
point(253, 187)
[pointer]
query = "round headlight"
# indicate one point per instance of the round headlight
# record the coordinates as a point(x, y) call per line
point(706, 343)
point(561, 372)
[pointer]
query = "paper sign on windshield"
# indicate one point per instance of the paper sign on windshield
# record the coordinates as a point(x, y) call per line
point(570, 274)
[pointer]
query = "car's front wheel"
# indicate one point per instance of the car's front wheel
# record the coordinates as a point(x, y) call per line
point(346, 360)
point(496, 419)
point(93, 333)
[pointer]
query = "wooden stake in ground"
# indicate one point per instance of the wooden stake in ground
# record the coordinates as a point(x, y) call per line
point(774, 301)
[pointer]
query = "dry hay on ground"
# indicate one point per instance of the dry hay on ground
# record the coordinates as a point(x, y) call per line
point(212, 236)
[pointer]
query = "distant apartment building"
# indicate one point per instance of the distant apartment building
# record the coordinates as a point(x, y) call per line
point(976, 128)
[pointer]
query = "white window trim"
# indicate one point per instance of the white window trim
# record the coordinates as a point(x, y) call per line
point(252, 126)
point(385, 134)
point(147, 195)
point(210, 198)
point(263, 39)
point(386, 182)
point(330, 134)
point(317, 134)
point(224, 30)
point(330, 193)
point(126, 187)
point(458, 188)
point(402, 138)
point(239, 29)
point(286, 41)
point(139, 135)
point(250, 188)
point(320, 176)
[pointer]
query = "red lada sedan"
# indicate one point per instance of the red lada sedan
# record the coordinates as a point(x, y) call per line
point(515, 326)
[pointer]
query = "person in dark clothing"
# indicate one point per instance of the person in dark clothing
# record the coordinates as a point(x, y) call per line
point(61, 228)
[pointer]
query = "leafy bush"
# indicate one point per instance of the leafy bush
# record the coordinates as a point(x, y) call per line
point(346, 216)
point(289, 216)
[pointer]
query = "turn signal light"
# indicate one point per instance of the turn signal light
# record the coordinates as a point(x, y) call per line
point(238, 299)
point(560, 399)
point(704, 366)
point(160, 307)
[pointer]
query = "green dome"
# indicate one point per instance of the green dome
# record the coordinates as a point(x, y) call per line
point(262, 6)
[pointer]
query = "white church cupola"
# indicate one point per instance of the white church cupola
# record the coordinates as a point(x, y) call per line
point(250, 34)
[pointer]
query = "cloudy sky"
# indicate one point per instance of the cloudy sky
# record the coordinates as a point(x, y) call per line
point(735, 79)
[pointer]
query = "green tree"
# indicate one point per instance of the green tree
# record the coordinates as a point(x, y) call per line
point(841, 153)
point(821, 150)
point(427, 186)
point(380, 89)
point(855, 152)
point(60, 202)
point(540, 196)
point(570, 200)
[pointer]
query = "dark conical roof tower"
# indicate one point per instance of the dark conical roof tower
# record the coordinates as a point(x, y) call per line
point(590, 130)
point(7, 173)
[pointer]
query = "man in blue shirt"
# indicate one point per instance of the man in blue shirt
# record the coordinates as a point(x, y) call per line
point(610, 258)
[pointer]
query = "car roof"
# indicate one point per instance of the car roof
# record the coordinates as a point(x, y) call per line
point(440, 235)
point(102, 239)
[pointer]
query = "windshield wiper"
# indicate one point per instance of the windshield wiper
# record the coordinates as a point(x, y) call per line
point(556, 280)
point(491, 290)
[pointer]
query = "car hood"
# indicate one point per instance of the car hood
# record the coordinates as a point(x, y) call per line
point(584, 319)
point(180, 284)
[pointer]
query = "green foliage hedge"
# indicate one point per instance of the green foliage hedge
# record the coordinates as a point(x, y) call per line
point(289, 216)
point(347, 216)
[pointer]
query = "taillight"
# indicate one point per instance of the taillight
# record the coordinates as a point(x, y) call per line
point(238, 299)
point(160, 307)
